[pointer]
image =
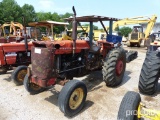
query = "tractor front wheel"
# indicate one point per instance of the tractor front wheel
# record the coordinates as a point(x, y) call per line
point(72, 97)
point(31, 87)
point(114, 67)
point(128, 109)
point(19, 74)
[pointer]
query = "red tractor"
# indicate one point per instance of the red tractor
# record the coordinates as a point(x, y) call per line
point(58, 62)
point(18, 53)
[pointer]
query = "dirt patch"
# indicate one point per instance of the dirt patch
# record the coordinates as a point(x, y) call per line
point(148, 98)
point(102, 101)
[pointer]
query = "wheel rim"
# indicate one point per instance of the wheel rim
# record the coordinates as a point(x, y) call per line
point(76, 98)
point(34, 87)
point(21, 75)
point(119, 67)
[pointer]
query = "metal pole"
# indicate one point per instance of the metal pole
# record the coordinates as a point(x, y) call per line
point(110, 27)
point(25, 36)
point(74, 30)
point(91, 33)
point(52, 30)
point(103, 27)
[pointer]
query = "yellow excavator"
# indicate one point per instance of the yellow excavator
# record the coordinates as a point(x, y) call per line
point(136, 36)
point(13, 26)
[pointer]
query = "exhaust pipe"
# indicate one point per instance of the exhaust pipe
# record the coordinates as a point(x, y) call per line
point(25, 35)
point(74, 30)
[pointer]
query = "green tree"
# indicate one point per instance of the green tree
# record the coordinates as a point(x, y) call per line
point(124, 31)
point(29, 13)
point(41, 16)
point(66, 15)
point(10, 11)
point(94, 27)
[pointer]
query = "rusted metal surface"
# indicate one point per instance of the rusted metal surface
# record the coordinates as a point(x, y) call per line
point(105, 47)
point(42, 83)
point(37, 81)
point(42, 62)
point(51, 81)
point(47, 23)
point(92, 18)
point(65, 46)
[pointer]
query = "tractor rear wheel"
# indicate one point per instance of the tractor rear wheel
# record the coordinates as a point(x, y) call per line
point(128, 109)
point(114, 67)
point(19, 74)
point(149, 75)
point(31, 87)
point(72, 97)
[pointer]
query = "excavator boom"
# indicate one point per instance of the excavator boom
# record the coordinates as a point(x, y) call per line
point(136, 37)
point(137, 20)
point(150, 25)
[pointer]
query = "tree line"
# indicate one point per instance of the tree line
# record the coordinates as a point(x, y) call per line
point(11, 11)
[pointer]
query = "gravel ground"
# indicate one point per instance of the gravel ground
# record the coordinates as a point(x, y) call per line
point(102, 102)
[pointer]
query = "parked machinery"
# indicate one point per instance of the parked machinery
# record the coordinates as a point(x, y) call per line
point(20, 53)
point(13, 34)
point(131, 108)
point(150, 71)
point(58, 62)
point(136, 37)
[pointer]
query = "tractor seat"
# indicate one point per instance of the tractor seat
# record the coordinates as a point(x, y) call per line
point(95, 49)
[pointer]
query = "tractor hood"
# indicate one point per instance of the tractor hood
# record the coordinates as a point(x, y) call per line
point(64, 46)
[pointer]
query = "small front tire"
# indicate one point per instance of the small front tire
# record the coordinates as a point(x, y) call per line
point(72, 97)
point(19, 74)
point(128, 109)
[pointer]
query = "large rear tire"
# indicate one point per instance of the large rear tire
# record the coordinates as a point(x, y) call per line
point(129, 106)
point(72, 97)
point(114, 67)
point(31, 87)
point(149, 75)
point(19, 74)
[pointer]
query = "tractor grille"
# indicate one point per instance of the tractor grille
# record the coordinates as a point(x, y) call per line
point(42, 62)
point(134, 36)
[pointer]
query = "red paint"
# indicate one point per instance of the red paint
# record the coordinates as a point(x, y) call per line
point(2, 61)
point(37, 81)
point(52, 81)
point(11, 60)
point(119, 67)
point(43, 83)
